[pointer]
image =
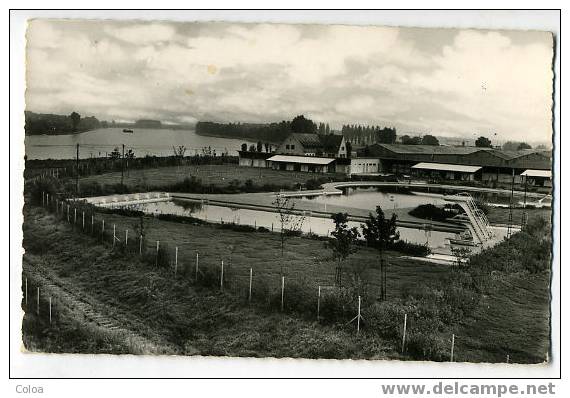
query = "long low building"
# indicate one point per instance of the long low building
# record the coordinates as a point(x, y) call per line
point(495, 165)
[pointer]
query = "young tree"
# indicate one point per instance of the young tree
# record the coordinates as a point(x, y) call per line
point(290, 224)
point(244, 147)
point(259, 146)
point(380, 232)
point(343, 243)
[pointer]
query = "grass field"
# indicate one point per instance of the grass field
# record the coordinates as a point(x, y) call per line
point(218, 175)
point(165, 315)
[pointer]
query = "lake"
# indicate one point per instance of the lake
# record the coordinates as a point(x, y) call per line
point(143, 142)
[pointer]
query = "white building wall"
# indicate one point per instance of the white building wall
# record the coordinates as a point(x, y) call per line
point(364, 165)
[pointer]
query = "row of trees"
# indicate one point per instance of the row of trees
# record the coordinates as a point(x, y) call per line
point(364, 135)
point(272, 132)
point(419, 140)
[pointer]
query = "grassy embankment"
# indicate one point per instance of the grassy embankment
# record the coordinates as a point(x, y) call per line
point(195, 320)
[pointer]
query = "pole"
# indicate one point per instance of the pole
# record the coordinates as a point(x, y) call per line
point(404, 335)
point(38, 302)
point(250, 282)
point(282, 291)
point(319, 304)
point(102, 228)
point(50, 310)
point(123, 166)
point(74, 216)
point(222, 277)
point(77, 170)
point(157, 249)
point(26, 295)
point(114, 236)
point(175, 261)
point(140, 245)
point(358, 319)
point(83, 220)
point(67, 213)
point(452, 347)
point(126, 238)
point(43, 199)
point(92, 223)
point(196, 277)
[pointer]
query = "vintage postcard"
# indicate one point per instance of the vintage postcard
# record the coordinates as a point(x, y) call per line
point(288, 191)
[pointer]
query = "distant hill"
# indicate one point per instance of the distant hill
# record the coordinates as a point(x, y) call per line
point(47, 123)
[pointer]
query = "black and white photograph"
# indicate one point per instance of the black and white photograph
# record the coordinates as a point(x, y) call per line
point(314, 191)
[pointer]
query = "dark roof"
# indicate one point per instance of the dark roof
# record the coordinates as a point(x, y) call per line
point(431, 149)
point(326, 143)
point(308, 140)
point(455, 150)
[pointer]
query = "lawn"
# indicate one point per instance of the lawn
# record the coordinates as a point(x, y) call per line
point(219, 175)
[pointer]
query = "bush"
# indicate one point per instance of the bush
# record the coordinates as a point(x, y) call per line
point(337, 305)
point(430, 212)
point(427, 346)
point(300, 297)
point(412, 249)
point(385, 318)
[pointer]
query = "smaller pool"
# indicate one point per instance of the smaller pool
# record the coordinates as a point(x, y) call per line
point(369, 198)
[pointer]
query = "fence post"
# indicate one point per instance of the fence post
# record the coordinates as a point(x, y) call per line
point(404, 335)
point(157, 249)
point(452, 347)
point(175, 261)
point(196, 267)
point(126, 238)
point(38, 302)
point(74, 216)
point(50, 310)
point(508, 359)
point(358, 319)
point(83, 220)
point(47, 200)
point(68, 213)
point(222, 278)
point(114, 236)
point(140, 245)
point(319, 304)
point(92, 224)
point(282, 291)
point(250, 281)
point(43, 201)
point(102, 229)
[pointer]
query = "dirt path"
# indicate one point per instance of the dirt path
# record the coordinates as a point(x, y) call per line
point(89, 313)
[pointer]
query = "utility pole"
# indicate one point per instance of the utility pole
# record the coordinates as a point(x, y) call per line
point(123, 167)
point(510, 224)
point(77, 170)
point(524, 215)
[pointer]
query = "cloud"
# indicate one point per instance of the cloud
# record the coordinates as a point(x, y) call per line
point(445, 82)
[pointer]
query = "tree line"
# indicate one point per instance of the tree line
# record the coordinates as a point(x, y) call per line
point(44, 123)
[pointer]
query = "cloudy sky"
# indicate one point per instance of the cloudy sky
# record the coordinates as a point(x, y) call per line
point(443, 82)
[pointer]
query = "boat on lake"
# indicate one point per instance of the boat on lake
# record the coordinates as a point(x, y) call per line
point(128, 131)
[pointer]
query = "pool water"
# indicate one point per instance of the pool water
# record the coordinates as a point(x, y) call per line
point(319, 226)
